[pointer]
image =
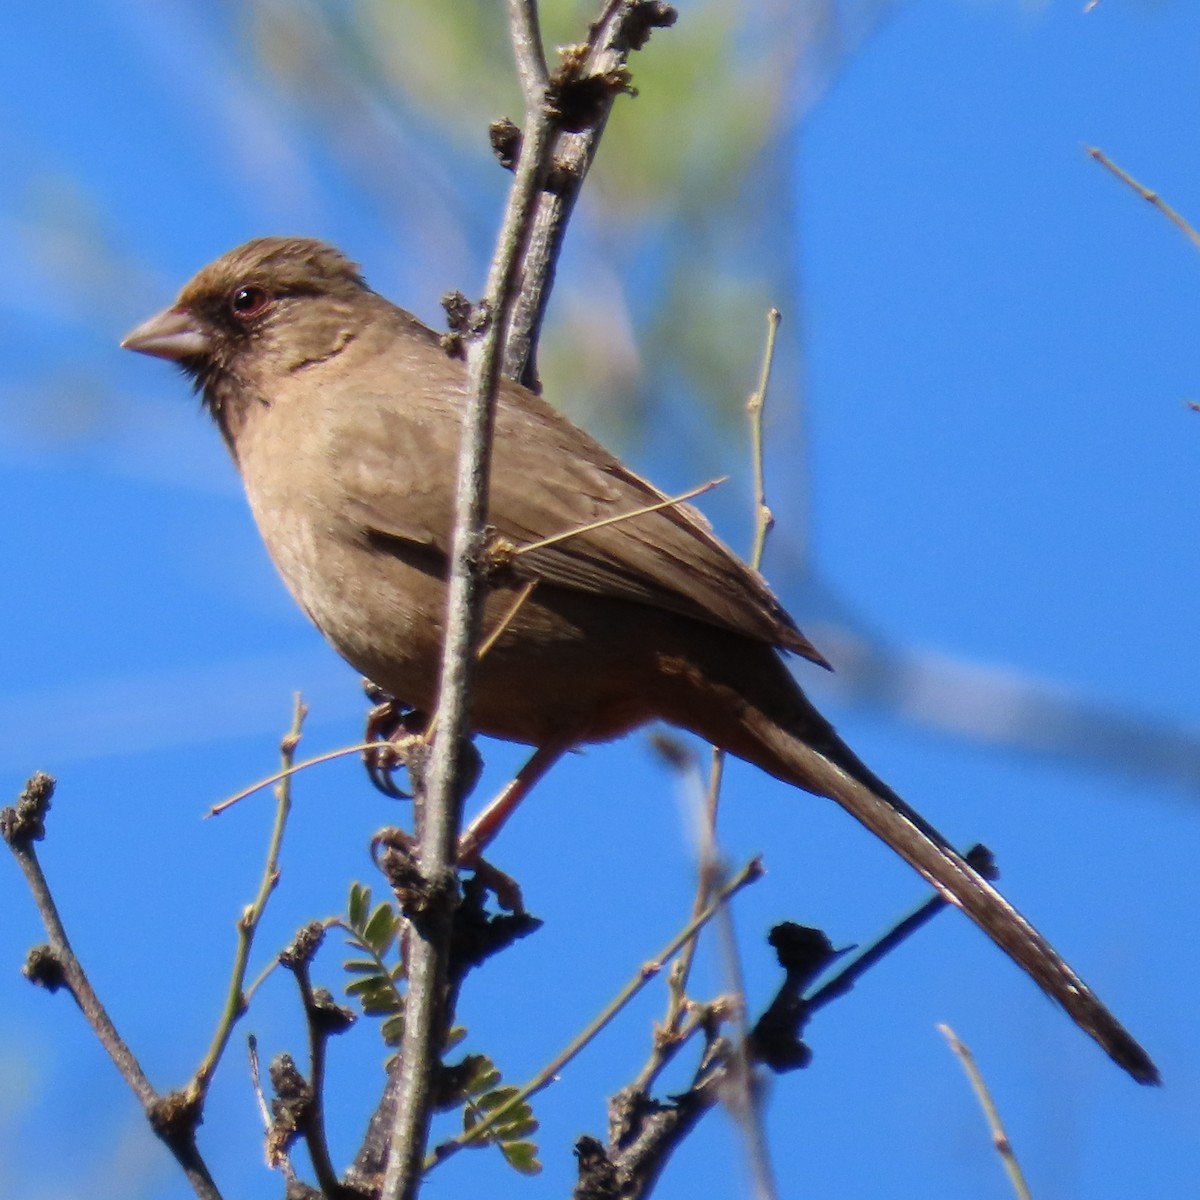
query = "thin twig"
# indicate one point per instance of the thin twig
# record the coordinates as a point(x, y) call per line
point(764, 519)
point(74, 978)
point(531, 58)
point(438, 811)
point(666, 1049)
point(744, 1099)
point(749, 874)
point(261, 978)
point(314, 1126)
point(979, 857)
point(1151, 197)
point(174, 1124)
point(995, 1124)
point(677, 1002)
point(256, 1087)
point(277, 1157)
point(247, 925)
point(287, 772)
point(741, 1093)
point(591, 526)
point(763, 523)
point(622, 23)
point(505, 621)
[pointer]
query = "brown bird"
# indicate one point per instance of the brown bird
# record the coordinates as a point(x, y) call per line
point(342, 413)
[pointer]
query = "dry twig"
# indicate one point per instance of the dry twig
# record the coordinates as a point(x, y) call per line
point(991, 1112)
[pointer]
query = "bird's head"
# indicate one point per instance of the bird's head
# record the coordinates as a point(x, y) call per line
point(260, 312)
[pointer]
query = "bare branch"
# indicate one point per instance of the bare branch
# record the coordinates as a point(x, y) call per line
point(592, 526)
point(763, 523)
point(438, 810)
point(172, 1117)
point(991, 1112)
point(247, 926)
point(1152, 198)
point(599, 66)
point(287, 772)
point(531, 59)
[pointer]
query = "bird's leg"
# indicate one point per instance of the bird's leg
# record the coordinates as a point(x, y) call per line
point(479, 834)
point(392, 724)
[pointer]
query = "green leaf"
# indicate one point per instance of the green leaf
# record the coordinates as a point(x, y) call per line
point(381, 929)
point(358, 907)
point(522, 1156)
point(380, 1004)
point(485, 1078)
point(368, 984)
point(485, 1096)
point(490, 1101)
point(519, 1129)
point(361, 966)
point(393, 1029)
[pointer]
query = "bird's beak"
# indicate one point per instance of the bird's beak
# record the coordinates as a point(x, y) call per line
point(173, 333)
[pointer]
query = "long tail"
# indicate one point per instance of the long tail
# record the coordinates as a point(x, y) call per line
point(825, 765)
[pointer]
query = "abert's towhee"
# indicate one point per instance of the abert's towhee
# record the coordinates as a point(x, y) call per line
point(342, 413)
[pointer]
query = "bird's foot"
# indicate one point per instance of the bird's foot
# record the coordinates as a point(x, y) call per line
point(503, 886)
point(395, 852)
point(400, 733)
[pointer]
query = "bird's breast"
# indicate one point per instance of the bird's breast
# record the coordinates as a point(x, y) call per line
point(383, 614)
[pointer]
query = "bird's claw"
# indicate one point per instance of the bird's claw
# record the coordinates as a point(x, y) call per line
point(398, 729)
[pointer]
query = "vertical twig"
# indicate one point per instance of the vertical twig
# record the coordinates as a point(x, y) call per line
point(741, 1096)
point(764, 519)
point(438, 811)
point(247, 925)
point(624, 25)
point(763, 522)
point(746, 1103)
point(990, 1111)
point(530, 56)
point(521, 274)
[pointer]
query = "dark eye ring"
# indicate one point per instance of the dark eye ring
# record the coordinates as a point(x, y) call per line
point(248, 301)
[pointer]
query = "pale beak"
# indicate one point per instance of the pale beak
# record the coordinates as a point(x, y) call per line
point(173, 333)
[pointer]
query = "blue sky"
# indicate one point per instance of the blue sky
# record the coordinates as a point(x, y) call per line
point(995, 480)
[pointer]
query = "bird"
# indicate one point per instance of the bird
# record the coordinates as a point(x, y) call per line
point(342, 412)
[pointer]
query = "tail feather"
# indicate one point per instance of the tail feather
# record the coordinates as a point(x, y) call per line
point(834, 771)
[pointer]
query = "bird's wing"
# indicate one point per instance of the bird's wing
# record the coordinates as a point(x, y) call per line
point(549, 478)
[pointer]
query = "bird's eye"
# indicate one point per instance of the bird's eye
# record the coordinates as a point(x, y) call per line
point(246, 302)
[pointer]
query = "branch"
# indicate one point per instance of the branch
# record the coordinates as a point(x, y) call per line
point(291, 768)
point(248, 922)
point(171, 1117)
point(438, 810)
point(323, 1018)
point(582, 92)
point(740, 1091)
point(763, 523)
point(531, 58)
point(578, 98)
point(999, 1137)
point(506, 553)
point(645, 1133)
point(1152, 198)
